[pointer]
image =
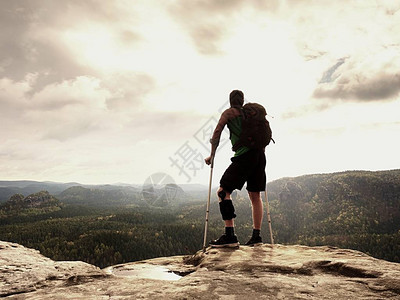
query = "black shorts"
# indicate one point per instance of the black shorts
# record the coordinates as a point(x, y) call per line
point(248, 167)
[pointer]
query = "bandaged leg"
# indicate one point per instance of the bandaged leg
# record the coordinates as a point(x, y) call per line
point(227, 210)
point(226, 206)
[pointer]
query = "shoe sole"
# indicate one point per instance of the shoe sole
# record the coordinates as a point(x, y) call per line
point(255, 244)
point(232, 245)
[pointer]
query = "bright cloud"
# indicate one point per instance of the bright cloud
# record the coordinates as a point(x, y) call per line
point(108, 92)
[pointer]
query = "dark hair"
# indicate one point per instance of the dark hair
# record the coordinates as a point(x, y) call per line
point(236, 98)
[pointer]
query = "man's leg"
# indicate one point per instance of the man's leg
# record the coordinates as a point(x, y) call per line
point(226, 196)
point(256, 182)
point(228, 239)
point(233, 178)
point(257, 209)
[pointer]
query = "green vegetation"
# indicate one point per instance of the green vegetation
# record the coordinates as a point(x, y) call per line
point(106, 237)
point(35, 204)
point(356, 210)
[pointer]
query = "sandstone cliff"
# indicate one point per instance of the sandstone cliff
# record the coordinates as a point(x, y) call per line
point(261, 272)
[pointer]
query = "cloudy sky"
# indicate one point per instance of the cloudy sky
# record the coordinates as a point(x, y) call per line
point(116, 91)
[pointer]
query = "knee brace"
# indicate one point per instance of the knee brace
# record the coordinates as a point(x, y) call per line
point(222, 195)
point(227, 210)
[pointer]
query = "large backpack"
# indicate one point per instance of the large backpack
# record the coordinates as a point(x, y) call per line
point(256, 132)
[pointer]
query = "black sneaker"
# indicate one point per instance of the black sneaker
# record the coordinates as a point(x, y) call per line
point(254, 241)
point(225, 241)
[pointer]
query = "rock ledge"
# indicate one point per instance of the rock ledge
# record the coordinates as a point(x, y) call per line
point(261, 272)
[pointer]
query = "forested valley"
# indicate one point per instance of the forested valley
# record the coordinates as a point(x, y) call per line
point(356, 209)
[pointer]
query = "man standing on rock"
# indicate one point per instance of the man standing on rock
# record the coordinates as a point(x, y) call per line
point(248, 165)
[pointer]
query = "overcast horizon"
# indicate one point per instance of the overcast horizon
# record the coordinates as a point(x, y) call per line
point(101, 92)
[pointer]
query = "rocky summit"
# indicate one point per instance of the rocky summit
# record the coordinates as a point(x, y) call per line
point(260, 272)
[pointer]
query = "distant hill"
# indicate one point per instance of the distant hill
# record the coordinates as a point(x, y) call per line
point(100, 197)
point(151, 195)
point(107, 194)
point(356, 209)
point(27, 187)
point(35, 203)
